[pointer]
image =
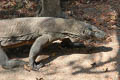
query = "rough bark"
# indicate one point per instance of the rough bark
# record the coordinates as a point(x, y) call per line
point(51, 8)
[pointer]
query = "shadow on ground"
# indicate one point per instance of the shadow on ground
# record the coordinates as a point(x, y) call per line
point(56, 50)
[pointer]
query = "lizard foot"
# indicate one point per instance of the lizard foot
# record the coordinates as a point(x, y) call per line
point(37, 66)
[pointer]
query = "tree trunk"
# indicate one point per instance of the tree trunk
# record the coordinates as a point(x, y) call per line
point(51, 8)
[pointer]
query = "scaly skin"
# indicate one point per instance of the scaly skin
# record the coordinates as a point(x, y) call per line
point(43, 31)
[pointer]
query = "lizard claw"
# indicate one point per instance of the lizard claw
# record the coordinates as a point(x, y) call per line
point(36, 66)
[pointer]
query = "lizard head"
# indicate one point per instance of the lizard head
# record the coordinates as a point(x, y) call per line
point(91, 32)
point(94, 32)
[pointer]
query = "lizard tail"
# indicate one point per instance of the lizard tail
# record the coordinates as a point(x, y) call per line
point(13, 63)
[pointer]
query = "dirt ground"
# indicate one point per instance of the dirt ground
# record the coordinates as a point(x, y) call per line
point(100, 63)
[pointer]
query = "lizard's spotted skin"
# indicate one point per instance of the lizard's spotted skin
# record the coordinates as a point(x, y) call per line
point(41, 31)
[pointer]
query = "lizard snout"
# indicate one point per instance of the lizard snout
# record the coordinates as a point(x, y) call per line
point(100, 35)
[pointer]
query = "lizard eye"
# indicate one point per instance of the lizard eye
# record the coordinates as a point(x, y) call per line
point(89, 28)
point(87, 32)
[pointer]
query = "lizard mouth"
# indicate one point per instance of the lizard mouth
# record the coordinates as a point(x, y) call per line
point(99, 35)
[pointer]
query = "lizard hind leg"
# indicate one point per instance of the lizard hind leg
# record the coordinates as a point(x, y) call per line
point(9, 64)
point(13, 63)
point(36, 48)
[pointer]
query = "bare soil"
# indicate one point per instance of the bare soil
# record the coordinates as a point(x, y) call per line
point(84, 63)
point(101, 63)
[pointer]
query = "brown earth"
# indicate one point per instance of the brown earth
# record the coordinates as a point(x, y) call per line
point(98, 63)
point(101, 63)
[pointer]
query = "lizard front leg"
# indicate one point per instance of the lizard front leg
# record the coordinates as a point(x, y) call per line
point(37, 46)
point(69, 44)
